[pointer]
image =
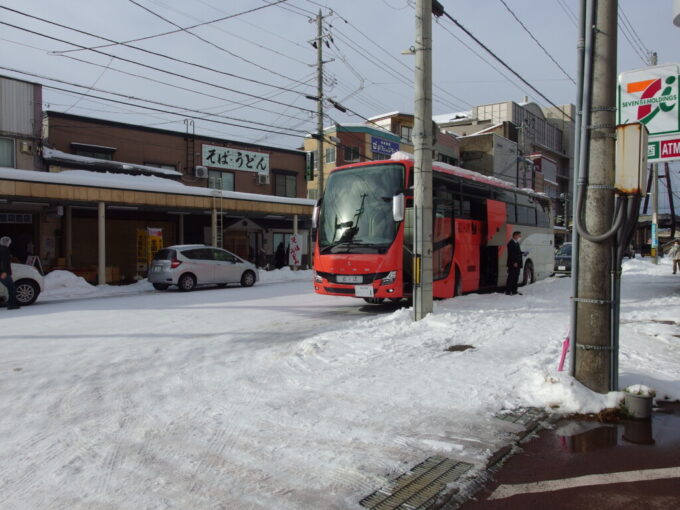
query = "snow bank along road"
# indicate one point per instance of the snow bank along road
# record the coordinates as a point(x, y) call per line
point(275, 398)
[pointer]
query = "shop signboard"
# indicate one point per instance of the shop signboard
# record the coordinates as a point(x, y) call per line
point(650, 96)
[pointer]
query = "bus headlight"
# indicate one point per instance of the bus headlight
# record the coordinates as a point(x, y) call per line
point(389, 279)
point(317, 278)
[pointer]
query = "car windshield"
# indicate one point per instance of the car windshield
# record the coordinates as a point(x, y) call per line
point(356, 211)
point(565, 250)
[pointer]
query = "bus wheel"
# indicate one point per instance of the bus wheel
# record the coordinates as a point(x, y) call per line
point(374, 300)
point(529, 276)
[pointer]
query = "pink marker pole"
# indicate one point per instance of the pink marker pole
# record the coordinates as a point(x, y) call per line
point(565, 349)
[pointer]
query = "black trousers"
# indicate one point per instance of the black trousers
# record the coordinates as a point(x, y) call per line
point(511, 283)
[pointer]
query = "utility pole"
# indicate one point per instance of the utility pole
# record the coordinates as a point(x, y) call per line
point(593, 304)
point(422, 141)
point(655, 194)
point(655, 213)
point(319, 103)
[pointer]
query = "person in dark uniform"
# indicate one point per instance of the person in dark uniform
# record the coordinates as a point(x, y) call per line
point(6, 272)
point(514, 263)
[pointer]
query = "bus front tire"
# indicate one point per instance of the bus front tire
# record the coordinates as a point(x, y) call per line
point(529, 275)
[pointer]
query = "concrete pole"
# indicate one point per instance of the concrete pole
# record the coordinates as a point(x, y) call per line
point(422, 141)
point(594, 322)
point(295, 233)
point(655, 213)
point(213, 226)
point(319, 103)
point(68, 220)
point(101, 248)
point(181, 229)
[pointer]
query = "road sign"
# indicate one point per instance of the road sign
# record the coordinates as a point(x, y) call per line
point(650, 96)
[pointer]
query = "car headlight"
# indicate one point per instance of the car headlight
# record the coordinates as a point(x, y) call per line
point(389, 279)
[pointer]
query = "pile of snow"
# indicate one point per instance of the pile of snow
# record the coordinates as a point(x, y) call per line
point(286, 274)
point(641, 390)
point(62, 284)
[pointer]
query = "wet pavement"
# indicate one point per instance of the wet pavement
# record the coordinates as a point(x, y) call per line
point(582, 464)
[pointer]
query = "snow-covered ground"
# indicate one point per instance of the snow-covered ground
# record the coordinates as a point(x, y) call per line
point(272, 397)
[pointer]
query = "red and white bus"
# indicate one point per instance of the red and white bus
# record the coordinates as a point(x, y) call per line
point(364, 231)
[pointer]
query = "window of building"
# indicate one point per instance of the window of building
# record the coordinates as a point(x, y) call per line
point(286, 185)
point(351, 154)
point(7, 152)
point(330, 155)
point(92, 151)
point(447, 159)
point(406, 132)
point(381, 155)
point(221, 180)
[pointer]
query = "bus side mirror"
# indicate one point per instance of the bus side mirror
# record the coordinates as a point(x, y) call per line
point(398, 207)
point(315, 215)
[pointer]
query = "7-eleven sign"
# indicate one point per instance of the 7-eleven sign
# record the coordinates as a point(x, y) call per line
point(650, 96)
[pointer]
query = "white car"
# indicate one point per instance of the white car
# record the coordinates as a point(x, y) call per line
point(29, 284)
point(190, 265)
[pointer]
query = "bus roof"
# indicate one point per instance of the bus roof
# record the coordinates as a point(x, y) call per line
point(403, 157)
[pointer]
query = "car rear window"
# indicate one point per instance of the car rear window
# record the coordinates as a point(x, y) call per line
point(165, 254)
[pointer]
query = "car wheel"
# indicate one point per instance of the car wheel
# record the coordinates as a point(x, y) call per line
point(529, 276)
point(26, 292)
point(161, 286)
point(248, 279)
point(374, 300)
point(186, 282)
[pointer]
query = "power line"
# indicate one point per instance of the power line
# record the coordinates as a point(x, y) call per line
point(168, 57)
point(216, 46)
point(179, 87)
point(568, 12)
point(536, 41)
point(159, 103)
point(153, 67)
point(480, 43)
point(180, 29)
point(629, 37)
point(623, 16)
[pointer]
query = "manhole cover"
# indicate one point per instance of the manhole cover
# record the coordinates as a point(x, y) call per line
point(418, 488)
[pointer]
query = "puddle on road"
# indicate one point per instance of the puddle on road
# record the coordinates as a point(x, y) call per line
point(662, 430)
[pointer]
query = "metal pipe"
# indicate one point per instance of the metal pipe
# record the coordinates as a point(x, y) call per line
point(574, 184)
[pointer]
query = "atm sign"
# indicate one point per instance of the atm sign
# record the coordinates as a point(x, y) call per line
point(670, 148)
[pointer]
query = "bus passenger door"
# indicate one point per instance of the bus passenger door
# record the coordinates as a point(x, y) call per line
point(494, 239)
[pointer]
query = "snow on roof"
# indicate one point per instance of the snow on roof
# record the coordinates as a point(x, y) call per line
point(139, 183)
point(106, 164)
point(490, 128)
point(450, 117)
point(390, 114)
point(468, 174)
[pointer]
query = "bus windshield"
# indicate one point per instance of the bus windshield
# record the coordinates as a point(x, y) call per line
point(356, 212)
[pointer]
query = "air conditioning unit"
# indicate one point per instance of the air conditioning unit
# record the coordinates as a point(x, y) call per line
point(263, 178)
point(201, 172)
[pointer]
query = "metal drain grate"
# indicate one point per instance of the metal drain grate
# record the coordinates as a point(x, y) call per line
point(522, 416)
point(418, 488)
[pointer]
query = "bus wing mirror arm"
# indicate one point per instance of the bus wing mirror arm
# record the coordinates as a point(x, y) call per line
point(315, 214)
point(398, 207)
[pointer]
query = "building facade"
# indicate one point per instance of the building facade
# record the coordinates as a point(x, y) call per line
point(92, 190)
